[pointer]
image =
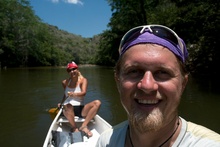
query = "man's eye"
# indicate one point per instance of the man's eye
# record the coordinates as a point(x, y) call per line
point(133, 73)
point(161, 75)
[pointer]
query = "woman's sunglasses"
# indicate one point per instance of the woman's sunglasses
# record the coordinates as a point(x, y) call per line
point(158, 30)
point(72, 69)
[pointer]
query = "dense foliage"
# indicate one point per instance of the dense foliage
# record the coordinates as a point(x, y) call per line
point(27, 41)
point(197, 22)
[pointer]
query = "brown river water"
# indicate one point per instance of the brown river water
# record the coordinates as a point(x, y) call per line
point(27, 93)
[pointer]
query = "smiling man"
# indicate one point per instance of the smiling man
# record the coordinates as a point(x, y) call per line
point(151, 77)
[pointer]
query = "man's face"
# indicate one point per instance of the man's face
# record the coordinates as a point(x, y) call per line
point(150, 84)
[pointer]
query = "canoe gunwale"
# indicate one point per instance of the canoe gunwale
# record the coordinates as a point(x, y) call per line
point(97, 125)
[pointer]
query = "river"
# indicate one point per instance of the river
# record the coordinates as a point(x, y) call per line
point(27, 94)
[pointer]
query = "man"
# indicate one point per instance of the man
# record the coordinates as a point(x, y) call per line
point(151, 77)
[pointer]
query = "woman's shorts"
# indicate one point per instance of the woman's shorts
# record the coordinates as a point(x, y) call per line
point(78, 110)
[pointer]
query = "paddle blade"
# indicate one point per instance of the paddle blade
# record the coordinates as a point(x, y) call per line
point(53, 112)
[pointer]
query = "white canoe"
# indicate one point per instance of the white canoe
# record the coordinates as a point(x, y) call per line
point(61, 124)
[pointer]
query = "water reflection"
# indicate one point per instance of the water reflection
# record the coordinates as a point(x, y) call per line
point(200, 103)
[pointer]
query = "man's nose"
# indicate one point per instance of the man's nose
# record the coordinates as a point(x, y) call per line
point(148, 83)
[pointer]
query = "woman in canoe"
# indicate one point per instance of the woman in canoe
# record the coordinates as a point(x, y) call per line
point(75, 88)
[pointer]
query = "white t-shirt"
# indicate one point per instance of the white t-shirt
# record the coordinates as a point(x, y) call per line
point(191, 135)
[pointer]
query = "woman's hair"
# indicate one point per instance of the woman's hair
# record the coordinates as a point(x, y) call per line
point(80, 76)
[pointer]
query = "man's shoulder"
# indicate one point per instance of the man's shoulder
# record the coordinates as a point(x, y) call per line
point(195, 135)
point(201, 131)
point(114, 136)
point(120, 125)
point(115, 130)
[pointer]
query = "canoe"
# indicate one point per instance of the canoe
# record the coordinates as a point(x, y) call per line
point(61, 125)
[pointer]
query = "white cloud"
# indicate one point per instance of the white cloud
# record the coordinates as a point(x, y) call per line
point(73, 1)
point(69, 1)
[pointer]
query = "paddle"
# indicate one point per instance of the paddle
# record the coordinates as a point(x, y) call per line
point(53, 111)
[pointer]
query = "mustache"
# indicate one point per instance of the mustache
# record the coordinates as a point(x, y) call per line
point(142, 94)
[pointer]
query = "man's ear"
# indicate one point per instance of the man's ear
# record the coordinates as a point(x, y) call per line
point(185, 81)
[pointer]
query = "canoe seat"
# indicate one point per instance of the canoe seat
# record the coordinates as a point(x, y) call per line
point(63, 119)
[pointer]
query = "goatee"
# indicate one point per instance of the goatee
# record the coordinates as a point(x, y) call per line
point(145, 122)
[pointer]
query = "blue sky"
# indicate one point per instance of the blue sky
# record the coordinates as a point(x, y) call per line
point(81, 17)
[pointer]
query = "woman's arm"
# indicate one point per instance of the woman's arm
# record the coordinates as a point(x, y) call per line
point(64, 96)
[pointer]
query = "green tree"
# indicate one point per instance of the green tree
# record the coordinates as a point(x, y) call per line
point(197, 22)
point(17, 28)
point(126, 14)
point(27, 41)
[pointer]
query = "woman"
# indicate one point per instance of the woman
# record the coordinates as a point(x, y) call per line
point(75, 88)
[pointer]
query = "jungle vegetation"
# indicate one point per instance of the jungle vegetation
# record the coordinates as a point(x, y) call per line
point(27, 41)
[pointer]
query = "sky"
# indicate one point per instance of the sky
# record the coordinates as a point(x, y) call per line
point(80, 17)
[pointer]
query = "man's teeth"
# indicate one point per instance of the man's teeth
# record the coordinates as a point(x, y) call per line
point(148, 101)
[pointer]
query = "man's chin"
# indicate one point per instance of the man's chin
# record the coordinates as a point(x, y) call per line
point(146, 122)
